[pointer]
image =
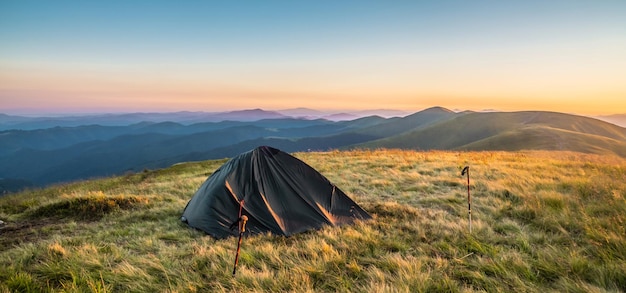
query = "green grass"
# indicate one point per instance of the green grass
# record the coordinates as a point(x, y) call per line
point(542, 221)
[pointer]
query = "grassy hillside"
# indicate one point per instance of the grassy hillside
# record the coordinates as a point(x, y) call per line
point(513, 131)
point(539, 137)
point(542, 221)
point(411, 122)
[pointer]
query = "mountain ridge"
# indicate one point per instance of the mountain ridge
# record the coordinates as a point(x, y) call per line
point(471, 127)
point(61, 154)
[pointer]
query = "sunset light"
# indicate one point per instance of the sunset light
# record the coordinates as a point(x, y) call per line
point(120, 56)
point(312, 146)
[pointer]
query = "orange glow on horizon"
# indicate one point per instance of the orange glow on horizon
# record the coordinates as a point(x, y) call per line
point(147, 90)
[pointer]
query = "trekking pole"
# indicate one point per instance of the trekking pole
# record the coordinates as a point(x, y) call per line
point(469, 198)
point(242, 228)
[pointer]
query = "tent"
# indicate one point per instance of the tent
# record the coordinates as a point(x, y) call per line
point(276, 191)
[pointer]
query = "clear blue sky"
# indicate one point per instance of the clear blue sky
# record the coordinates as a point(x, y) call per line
point(72, 56)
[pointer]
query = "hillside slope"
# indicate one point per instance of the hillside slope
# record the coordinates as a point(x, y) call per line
point(542, 222)
point(66, 154)
point(513, 131)
point(415, 121)
point(540, 137)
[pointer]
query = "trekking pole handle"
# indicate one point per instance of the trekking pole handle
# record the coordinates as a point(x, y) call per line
point(242, 228)
point(244, 220)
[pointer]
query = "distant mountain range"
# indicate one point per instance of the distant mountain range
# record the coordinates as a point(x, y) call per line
point(8, 122)
point(43, 151)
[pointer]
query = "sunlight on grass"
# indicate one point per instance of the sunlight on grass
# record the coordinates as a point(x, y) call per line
point(542, 221)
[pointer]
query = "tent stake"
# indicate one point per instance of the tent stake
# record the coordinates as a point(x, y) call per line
point(469, 198)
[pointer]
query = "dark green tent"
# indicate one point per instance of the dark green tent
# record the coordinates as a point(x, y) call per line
point(280, 194)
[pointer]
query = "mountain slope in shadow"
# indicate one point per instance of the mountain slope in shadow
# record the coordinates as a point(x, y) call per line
point(160, 147)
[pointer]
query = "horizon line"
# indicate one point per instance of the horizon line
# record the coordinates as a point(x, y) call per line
point(32, 113)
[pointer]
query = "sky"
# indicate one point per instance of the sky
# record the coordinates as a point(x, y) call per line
point(163, 56)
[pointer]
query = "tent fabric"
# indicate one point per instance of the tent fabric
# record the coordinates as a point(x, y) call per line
point(280, 194)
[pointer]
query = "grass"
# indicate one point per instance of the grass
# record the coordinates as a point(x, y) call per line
point(542, 221)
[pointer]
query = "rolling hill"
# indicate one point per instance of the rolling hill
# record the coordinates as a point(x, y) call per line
point(512, 131)
point(414, 121)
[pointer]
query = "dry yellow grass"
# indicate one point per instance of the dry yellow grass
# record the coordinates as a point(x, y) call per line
point(542, 221)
